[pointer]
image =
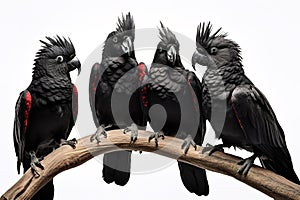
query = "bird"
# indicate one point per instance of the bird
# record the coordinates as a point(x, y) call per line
point(174, 96)
point(249, 121)
point(117, 98)
point(46, 111)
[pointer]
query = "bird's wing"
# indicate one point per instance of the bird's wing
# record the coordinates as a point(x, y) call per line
point(259, 123)
point(196, 90)
point(143, 73)
point(256, 116)
point(74, 110)
point(75, 103)
point(262, 130)
point(22, 111)
point(94, 79)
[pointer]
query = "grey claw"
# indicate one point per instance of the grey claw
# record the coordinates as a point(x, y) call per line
point(71, 143)
point(188, 141)
point(246, 165)
point(100, 132)
point(35, 163)
point(211, 149)
point(134, 132)
point(156, 136)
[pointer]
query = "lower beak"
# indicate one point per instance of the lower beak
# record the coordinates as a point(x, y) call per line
point(74, 64)
point(127, 46)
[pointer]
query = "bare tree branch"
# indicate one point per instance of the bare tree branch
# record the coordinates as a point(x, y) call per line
point(65, 158)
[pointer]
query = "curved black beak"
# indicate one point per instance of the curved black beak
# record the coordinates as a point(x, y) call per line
point(74, 64)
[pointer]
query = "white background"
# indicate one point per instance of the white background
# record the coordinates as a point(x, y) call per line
point(267, 31)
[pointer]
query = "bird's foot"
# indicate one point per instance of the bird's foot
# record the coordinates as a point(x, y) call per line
point(134, 132)
point(71, 143)
point(188, 141)
point(246, 164)
point(100, 132)
point(211, 149)
point(35, 163)
point(156, 136)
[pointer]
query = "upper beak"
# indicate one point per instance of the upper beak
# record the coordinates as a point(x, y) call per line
point(195, 59)
point(74, 64)
point(171, 54)
point(200, 58)
point(127, 45)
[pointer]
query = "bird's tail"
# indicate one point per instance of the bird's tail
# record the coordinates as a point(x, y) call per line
point(45, 193)
point(281, 164)
point(116, 167)
point(194, 179)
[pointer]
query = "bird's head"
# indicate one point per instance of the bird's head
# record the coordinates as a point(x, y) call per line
point(214, 49)
point(120, 42)
point(57, 57)
point(167, 51)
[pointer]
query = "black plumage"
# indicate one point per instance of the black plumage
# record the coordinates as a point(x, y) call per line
point(250, 123)
point(178, 92)
point(116, 97)
point(44, 113)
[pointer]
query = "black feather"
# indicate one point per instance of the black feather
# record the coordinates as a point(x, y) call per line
point(205, 36)
point(126, 24)
point(167, 36)
point(56, 46)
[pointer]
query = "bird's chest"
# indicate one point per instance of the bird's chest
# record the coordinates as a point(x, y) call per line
point(48, 90)
point(171, 108)
point(221, 116)
point(48, 124)
point(215, 99)
point(166, 84)
point(218, 85)
point(128, 83)
point(52, 116)
point(122, 80)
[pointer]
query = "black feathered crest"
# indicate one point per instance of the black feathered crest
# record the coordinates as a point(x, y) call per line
point(56, 46)
point(126, 24)
point(205, 36)
point(167, 37)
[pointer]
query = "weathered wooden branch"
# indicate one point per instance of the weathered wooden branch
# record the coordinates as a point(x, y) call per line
point(65, 158)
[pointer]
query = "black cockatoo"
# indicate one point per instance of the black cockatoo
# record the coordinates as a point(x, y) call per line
point(250, 123)
point(177, 91)
point(116, 98)
point(44, 113)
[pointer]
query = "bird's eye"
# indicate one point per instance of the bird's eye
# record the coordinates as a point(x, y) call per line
point(213, 50)
point(115, 39)
point(59, 59)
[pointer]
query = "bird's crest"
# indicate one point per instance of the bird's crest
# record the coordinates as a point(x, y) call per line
point(166, 36)
point(205, 35)
point(56, 46)
point(126, 24)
